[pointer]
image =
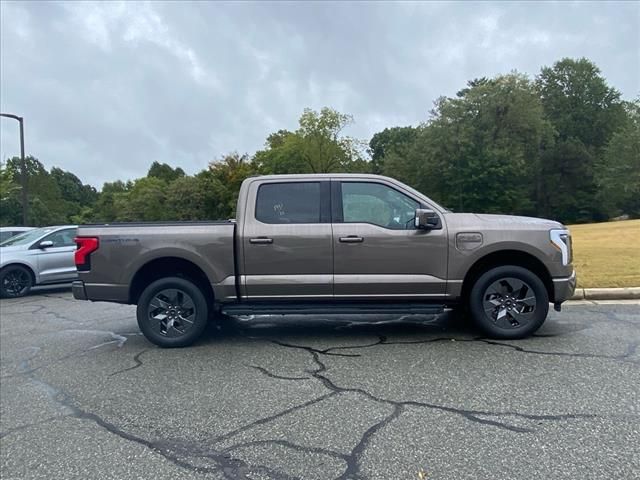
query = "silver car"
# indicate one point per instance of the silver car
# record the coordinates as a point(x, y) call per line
point(37, 257)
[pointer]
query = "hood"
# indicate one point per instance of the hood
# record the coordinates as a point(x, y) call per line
point(508, 222)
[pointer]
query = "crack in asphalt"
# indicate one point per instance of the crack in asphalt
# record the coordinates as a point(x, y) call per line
point(136, 358)
point(235, 468)
point(273, 375)
point(623, 357)
point(230, 468)
point(476, 416)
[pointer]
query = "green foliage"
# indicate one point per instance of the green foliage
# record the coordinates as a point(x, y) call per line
point(584, 112)
point(618, 175)
point(317, 146)
point(165, 172)
point(105, 207)
point(46, 206)
point(480, 150)
point(144, 201)
point(9, 205)
point(186, 199)
point(563, 146)
point(222, 183)
point(395, 142)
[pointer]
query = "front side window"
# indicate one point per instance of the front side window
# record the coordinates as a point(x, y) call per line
point(378, 204)
point(62, 238)
point(295, 202)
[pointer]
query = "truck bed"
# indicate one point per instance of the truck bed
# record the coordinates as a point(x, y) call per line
point(128, 250)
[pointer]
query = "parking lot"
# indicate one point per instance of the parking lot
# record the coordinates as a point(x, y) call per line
point(84, 395)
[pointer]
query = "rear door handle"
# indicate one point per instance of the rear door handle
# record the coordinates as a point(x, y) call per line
point(261, 240)
point(351, 239)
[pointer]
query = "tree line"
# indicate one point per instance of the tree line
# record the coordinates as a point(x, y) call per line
point(563, 145)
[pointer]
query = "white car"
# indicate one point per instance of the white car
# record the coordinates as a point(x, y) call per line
point(37, 257)
point(8, 232)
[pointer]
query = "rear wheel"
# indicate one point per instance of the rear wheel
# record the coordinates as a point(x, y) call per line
point(15, 281)
point(509, 302)
point(172, 312)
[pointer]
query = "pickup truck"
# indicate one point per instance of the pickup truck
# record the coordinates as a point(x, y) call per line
point(328, 243)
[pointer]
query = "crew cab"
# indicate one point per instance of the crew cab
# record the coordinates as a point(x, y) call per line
point(328, 243)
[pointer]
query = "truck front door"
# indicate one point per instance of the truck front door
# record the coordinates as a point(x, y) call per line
point(287, 242)
point(378, 252)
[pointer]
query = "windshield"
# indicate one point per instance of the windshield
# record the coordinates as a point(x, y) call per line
point(27, 237)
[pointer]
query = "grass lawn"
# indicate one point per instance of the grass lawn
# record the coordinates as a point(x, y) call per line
point(607, 254)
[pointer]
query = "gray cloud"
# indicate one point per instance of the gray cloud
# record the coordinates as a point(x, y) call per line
point(107, 88)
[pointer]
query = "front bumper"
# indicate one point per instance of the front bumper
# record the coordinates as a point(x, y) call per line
point(563, 288)
point(79, 293)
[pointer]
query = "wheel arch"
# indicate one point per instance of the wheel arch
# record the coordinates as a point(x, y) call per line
point(507, 257)
point(169, 267)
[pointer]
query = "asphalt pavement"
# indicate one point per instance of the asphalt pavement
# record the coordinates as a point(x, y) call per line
point(84, 395)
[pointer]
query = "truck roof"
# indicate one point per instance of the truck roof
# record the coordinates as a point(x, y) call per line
point(320, 175)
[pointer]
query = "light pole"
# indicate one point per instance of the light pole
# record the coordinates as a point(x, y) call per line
point(23, 166)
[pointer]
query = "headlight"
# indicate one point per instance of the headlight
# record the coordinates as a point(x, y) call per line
point(561, 239)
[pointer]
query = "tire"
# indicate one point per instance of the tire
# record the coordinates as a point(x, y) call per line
point(509, 302)
point(15, 281)
point(172, 312)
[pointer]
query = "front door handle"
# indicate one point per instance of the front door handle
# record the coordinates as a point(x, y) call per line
point(351, 239)
point(261, 240)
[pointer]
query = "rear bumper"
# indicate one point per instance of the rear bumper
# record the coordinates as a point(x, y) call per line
point(563, 288)
point(79, 293)
point(100, 292)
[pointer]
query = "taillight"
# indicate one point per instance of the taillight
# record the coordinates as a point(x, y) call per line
point(86, 245)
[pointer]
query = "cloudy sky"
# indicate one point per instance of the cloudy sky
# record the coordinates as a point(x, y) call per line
point(108, 88)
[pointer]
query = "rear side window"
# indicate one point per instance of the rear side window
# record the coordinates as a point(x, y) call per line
point(288, 202)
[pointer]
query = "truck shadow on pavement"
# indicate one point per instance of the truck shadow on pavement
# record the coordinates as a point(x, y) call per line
point(450, 324)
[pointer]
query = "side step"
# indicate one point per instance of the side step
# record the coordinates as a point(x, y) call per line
point(331, 308)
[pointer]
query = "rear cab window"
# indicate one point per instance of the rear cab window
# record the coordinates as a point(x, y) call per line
point(289, 203)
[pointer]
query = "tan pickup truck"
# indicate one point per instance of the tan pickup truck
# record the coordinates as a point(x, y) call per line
point(328, 243)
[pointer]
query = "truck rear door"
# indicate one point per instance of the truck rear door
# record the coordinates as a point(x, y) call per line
point(287, 240)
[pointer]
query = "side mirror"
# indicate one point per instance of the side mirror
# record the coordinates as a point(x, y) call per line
point(426, 219)
point(45, 244)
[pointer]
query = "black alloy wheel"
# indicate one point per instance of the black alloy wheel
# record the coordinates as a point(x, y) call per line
point(15, 281)
point(509, 302)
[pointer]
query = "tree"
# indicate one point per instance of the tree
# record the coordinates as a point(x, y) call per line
point(618, 173)
point(317, 146)
point(395, 141)
point(165, 172)
point(105, 207)
point(480, 150)
point(222, 184)
point(9, 204)
point(186, 199)
point(144, 201)
point(585, 112)
point(46, 204)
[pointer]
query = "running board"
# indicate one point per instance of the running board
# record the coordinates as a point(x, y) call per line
point(331, 308)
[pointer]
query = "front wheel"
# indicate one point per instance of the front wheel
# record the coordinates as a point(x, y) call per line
point(15, 281)
point(172, 312)
point(509, 302)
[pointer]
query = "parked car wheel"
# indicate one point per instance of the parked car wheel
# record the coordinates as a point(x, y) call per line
point(172, 312)
point(15, 281)
point(509, 302)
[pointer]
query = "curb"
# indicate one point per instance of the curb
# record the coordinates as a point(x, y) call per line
point(627, 293)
